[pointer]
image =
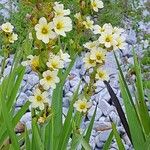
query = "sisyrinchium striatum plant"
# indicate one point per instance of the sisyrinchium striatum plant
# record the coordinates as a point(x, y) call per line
point(47, 37)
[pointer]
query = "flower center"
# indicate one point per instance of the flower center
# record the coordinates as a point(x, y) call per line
point(44, 30)
point(54, 64)
point(94, 4)
point(91, 61)
point(99, 57)
point(108, 39)
point(39, 98)
point(7, 29)
point(100, 74)
point(82, 106)
point(59, 25)
point(48, 78)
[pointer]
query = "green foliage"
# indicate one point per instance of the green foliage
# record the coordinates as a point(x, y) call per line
point(113, 12)
point(19, 20)
point(137, 112)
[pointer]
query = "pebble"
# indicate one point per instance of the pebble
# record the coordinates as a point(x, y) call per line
point(101, 125)
point(105, 107)
point(91, 112)
point(114, 117)
point(7, 71)
point(103, 136)
point(131, 37)
point(21, 99)
point(32, 79)
point(66, 102)
point(26, 117)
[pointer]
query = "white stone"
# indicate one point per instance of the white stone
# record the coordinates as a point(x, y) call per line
point(26, 117)
point(114, 117)
point(75, 81)
point(7, 71)
point(103, 136)
point(32, 79)
point(28, 125)
point(69, 94)
point(21, 99)
point(66, 102)
point(91, 112)
point(105, 107)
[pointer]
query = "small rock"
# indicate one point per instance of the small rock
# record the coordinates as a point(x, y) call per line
point(7, 71)
point(91, 112)
point(21, 99)
point(114, 117)
point(75, 81)
point(19, 128)
point(105, 107)
point(28, 93)
point(102, 126)
point(65, 111)
point(82, 71)
point(103, 136)
point(28, 125)
point(32, 79)
point(131, 39)
point(26, 117)
point(69, 94)
point(66, 102)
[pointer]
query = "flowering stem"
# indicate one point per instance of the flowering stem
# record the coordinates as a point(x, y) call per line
point(59, 42)
point(3, 67)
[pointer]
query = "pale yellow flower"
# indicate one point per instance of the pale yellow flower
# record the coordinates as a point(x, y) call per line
point(7, 27)
point(98, 55)
point(107, 39)
point(64, 56)
point(102, 75)
point(50, 79)
point(120, 42)
point(96, 4)
point(91, 45)
point(62, 25)
point(55, 63)
point(44, 30)
point(59, 10)
point(118, 31)
point(107, 27)
point(13, 37)
point(78, 16)
point(88, 23)
point(82, 105)
point(88, 63)
point(32, 61)
point(39, 99)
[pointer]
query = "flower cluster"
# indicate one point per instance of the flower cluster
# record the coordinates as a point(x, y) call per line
point(50, 76)
point(59, 25)
point(7, 28)
point(109, 39)
point(48, 30)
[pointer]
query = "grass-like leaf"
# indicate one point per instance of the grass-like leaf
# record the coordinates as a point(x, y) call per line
point(67, 127)
point(108, 142)
point(89, 130)
point(117, 137)
point(142, 108)
point(134, 125)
